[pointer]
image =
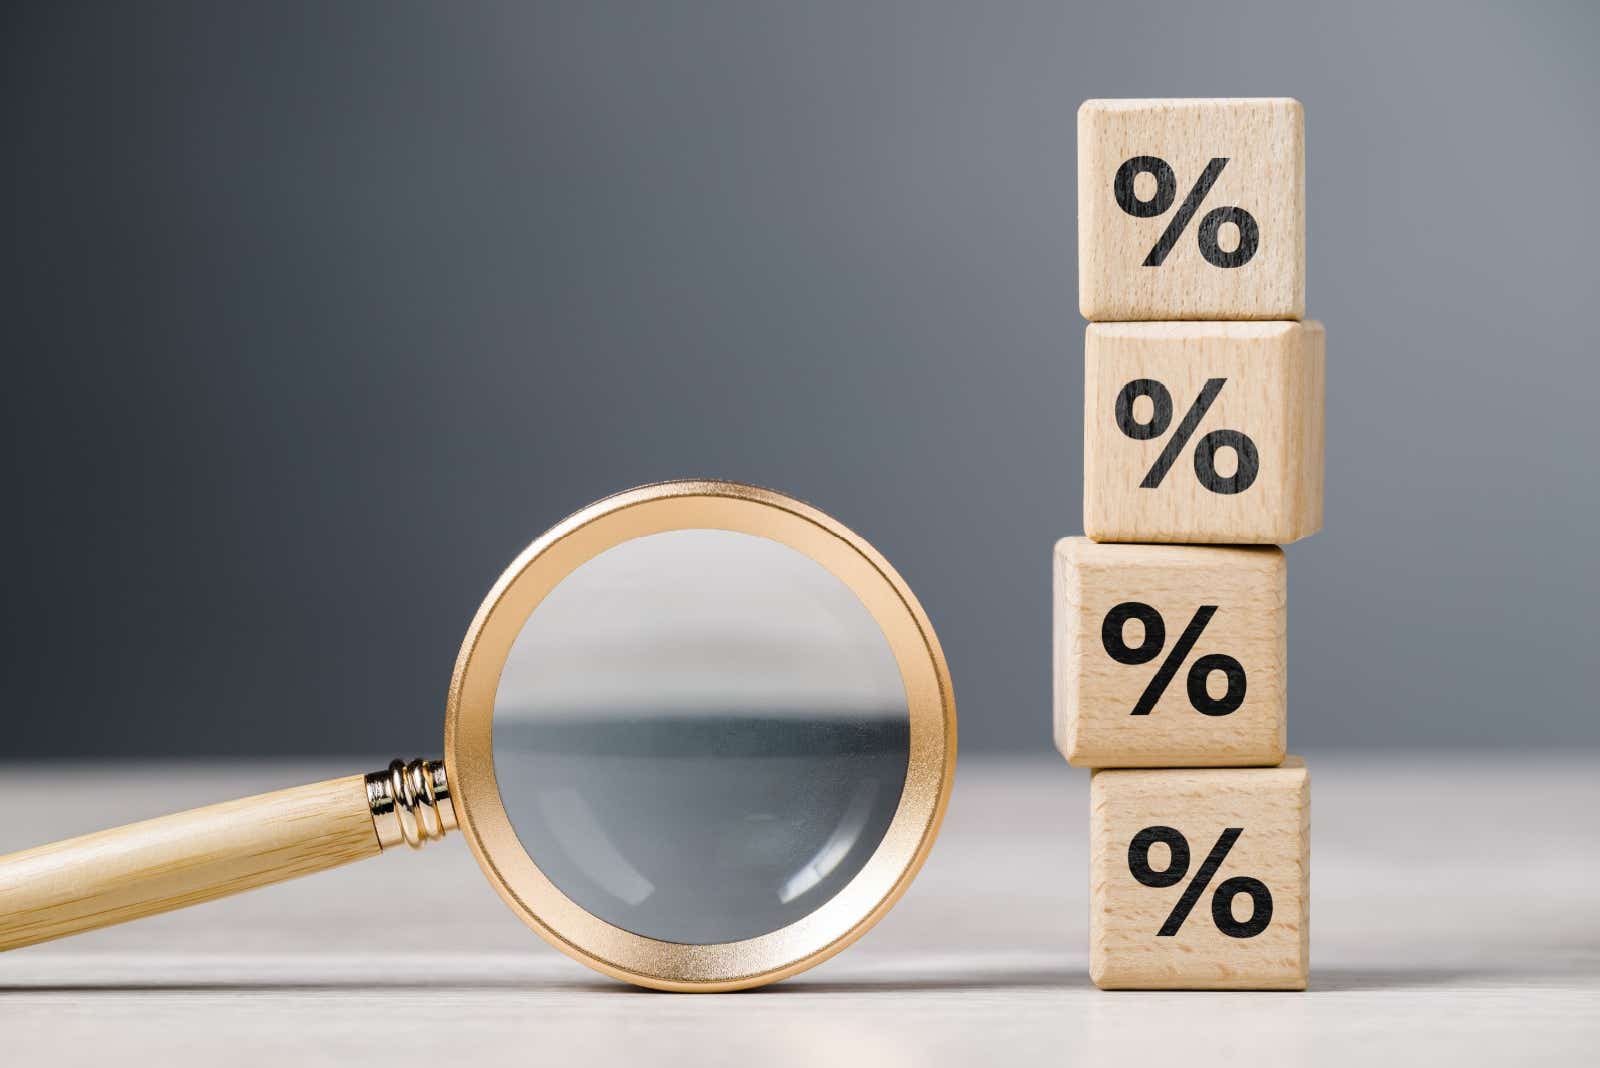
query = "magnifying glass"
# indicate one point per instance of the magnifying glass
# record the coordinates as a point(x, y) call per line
point(700, 736)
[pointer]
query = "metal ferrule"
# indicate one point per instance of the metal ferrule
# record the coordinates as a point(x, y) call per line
point(410, 803)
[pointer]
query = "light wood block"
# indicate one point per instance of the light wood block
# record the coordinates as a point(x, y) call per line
point(1219, 263)
point(1131, 695)
point(1248, 921)
point(1248, 471)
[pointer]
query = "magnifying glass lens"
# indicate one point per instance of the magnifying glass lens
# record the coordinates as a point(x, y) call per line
point(700, 736)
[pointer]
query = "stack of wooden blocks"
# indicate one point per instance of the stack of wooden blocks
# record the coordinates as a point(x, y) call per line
point(1203, 452)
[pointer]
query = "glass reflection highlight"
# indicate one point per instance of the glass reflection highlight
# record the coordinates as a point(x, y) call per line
point(701, 736)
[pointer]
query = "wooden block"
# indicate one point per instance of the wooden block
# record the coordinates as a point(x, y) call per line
point(1169, 655)
point(1248, 470)
point(1191, 209)
point(1199, 879)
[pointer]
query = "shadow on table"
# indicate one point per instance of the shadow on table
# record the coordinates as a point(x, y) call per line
point(1020, 979)
point(301, 986)
point(1011, 980)
point(1323, 981)
point(1358, 980)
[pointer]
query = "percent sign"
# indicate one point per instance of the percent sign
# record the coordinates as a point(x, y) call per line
point(1205, 453)
point(1149, 647)
point(1178, 866)
point(1166, 192)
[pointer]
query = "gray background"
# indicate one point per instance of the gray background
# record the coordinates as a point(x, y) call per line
point(314, 315)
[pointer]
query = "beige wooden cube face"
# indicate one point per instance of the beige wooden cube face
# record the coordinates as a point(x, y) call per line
point(1141, 823)
point(1128, 694)
point(1248, 472)
point(1207, 268)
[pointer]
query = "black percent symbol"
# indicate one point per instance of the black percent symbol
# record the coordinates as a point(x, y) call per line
point(1161, 201)
point(1205, 453)
point(1149, 647)
point(1178, 866)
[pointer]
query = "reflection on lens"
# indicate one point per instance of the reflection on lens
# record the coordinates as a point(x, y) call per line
point(701, 736)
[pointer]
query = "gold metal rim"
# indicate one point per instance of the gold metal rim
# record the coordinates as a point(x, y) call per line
point(469, 721)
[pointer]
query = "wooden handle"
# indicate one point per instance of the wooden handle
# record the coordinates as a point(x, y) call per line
point(167, 863)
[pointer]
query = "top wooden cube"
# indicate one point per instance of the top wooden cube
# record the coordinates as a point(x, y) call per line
point(1191, 209)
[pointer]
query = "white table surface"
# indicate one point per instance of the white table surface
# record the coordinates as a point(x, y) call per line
point(1455, 919)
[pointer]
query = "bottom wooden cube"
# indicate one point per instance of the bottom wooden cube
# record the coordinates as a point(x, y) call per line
point(1199, 879)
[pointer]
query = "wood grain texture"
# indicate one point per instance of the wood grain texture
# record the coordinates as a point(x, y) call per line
point(1272, 809)
point(1095, 695)
point(167, 863)
point(1273, 392)
point(1264, 143)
